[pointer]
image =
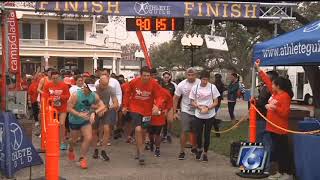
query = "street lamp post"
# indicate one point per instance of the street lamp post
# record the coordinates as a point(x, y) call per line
point(139, 55)
point(191, 43)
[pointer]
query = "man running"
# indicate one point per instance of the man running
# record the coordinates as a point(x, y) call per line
point(139, 99)
point(60, 92)
point(106, 93)
point(158, 121)
point(187, 110)
point(33, 94)
point(114, 84)
point(81, 117)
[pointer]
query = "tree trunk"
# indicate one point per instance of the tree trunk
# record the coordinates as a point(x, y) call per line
point(312, 73)
point(246, 75)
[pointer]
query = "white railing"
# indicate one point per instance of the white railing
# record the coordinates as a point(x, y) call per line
point(41, 43)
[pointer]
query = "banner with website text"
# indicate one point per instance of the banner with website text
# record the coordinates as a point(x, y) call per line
point(209, 9)
point(14, 55)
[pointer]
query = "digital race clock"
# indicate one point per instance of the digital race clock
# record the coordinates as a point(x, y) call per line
point(154, 24)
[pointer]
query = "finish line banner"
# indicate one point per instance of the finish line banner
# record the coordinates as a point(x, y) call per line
point(208, 10)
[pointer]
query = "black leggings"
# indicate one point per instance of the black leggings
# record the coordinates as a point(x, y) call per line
point(231, 106)
point(35, 111)
point(198, 124)
point(282, 154)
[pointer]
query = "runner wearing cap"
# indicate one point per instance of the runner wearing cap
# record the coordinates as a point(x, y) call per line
point(187, 110)
point(82, 115)
point(60, 93)
point(142, 98)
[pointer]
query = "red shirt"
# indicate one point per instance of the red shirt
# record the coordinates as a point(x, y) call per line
point(139, 97)
point(124, 87)
point(24, 85)
point(280, 115)
point(166, 105)
point(32, 91)
point(60, 90)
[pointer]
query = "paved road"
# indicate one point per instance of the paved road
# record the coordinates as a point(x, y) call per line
point(123, 166)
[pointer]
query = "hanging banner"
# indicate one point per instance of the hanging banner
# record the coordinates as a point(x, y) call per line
point(205, 10)
point(16, 149)
point(14, 55)
point(144, 48)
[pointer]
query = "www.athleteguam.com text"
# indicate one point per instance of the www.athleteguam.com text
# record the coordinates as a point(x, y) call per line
point(292, 49)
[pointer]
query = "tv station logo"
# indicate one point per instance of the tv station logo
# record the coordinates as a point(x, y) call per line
point(252, 158)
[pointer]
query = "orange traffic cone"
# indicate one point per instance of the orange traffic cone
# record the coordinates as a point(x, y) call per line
point(52, 145)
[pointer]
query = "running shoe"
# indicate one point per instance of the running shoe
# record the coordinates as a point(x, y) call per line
point(194, 150)
point(164, 139)
point(157, 152)
point(181, 156)
point(64, 146)
point(104, 155)
point(95, 154)
point(169, 139)
point(129, 140)
point(136, 157)
point(37, 131)
point(204, 158)
point(71, 155)
point(141, 159)
point(151, 147)
point(198, 155)
point(147, 146)
point(83, 163)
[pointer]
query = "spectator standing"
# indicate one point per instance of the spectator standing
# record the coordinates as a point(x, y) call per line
point(232, 94)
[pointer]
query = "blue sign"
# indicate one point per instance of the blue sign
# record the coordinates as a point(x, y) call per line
point(196, 9)
point(299, 47)
point(16, 149)
point(252, 157)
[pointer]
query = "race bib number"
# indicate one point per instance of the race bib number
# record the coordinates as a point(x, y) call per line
point(57, 103)
point(146, 119)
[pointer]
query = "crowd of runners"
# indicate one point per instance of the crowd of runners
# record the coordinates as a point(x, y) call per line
point(94, 108)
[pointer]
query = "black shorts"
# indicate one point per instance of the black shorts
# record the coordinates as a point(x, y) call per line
point(136, 119)
point(126, 118)
point(78, 126)
point(155, 130)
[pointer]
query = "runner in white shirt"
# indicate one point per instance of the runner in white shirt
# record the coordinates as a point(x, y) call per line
point(204, 97)
point(79, 84)
point(187, 111)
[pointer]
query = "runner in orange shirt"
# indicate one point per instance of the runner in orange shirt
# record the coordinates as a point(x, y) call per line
point(159, 121)
point(126, 118)
point(33, 94)
point(139, 100)
point(60, 92)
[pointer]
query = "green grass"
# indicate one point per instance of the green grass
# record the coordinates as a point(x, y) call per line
point(222, 145)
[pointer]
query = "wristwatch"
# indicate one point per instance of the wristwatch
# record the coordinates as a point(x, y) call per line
point(95, 113)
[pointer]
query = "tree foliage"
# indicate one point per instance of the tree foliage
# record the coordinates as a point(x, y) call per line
point(240, 37)
point(240, 41)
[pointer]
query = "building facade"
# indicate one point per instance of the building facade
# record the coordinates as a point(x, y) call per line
point(48, 40)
